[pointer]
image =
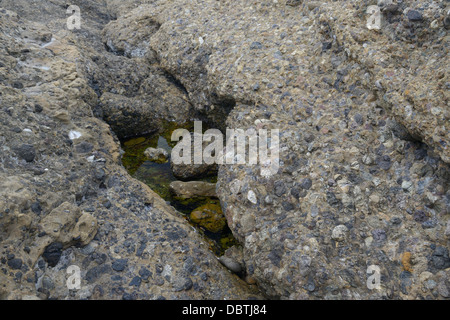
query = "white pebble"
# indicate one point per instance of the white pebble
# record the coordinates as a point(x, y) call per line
point(251, 196)
point(339, 232)
point(74, 135)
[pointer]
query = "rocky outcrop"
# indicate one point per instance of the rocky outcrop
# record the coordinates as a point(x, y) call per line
point(65, 199)
point(363, 119)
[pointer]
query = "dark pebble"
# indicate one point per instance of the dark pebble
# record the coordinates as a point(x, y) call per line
point(84, 147)
point(306, 183)
point(26, 152)
point(288, 206)
point(107, 204)
point(447, 22)
point(129, 296)
point(420, 216)
point(96, 272)
point(384, 162)
point(332, 200)
point(295, 192)
point(119, 264)
point(414, 15)
point(326, 46)
point(419, 154)
point(440, 258)
point(379, 235)
point(145, 273)
point(38, 108)
point(429, 224)
point(52, 253)
point(136, 281)
point(17, 85)
point(279, 188)
point(182, 284)
point(359, 119)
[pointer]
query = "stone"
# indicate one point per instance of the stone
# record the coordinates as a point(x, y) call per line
point(15, 263)
point(158, 155)
point(414, 15)
point(339, 233)
point(210, 217)
point(293, 3)
point(26, 152)
point(52, 253)
point(231, 264)
point(306, 183)
point(119, 264)
point(192, 189)
point(251, 196)
point(192, 170)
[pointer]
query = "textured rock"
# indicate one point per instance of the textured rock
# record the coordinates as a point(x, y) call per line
point(192, 170)
point(363, 119)
point(331, 87)
point(52, 195)
point(210, 217)
point(157, 154)
point(192, 189)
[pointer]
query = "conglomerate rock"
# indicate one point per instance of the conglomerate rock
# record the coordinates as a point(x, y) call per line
point(363, 182)
point(350, 193)
point(65, 200)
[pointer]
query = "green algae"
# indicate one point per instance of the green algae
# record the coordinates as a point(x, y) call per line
point(158, 177)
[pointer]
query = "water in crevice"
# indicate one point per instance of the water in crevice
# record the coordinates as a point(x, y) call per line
point(158, 177)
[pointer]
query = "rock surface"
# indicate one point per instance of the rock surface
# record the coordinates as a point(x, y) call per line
point(364, 147)
point(339, 94)
point(210, 217)
point(192, 189)
point(192, 169)
point(157, 154)
point(65, 199)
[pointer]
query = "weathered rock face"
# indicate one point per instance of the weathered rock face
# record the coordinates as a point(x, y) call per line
point(192, 189)
point(65, 200)
point(363, 119)
point(350, 192)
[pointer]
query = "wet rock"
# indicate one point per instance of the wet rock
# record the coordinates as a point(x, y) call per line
point(414, 15)
point(158, 155)
point(192, 189)
point(26, 152)
point(52, 253)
